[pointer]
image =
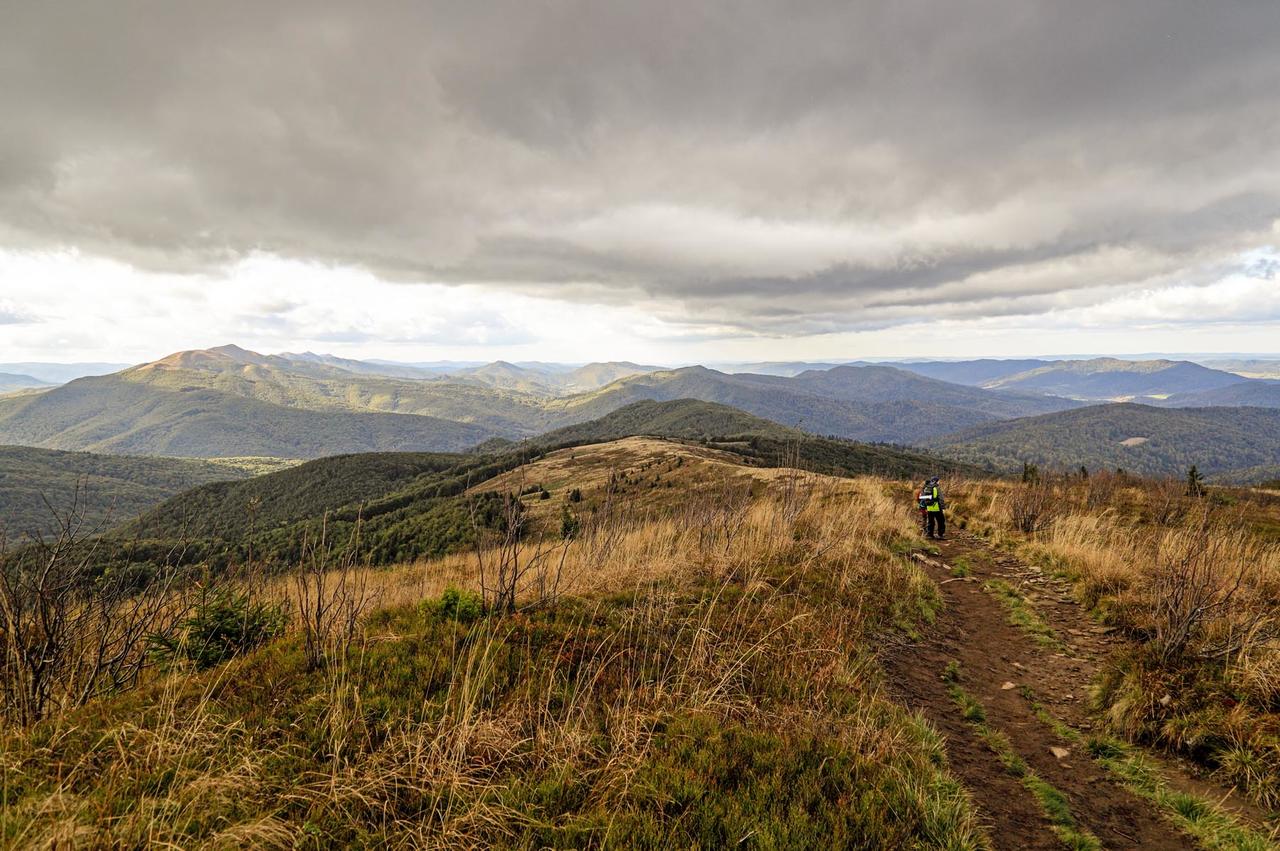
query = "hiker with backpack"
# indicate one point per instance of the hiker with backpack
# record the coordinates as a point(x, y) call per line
point(932, 509)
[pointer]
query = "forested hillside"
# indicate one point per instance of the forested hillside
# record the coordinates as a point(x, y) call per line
point(111, 489)
point(1137, 438)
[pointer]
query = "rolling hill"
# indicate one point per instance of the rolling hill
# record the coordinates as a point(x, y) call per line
point(973, 373)
point(111, 488)
point(1138, 438)
point(321, 386)
point(690, 419)
point(9, 382)
point(1258, 394)
point(1115, 380)
point(1246, 368)
point(113, 415)
point(549, 380)
point(60, 373)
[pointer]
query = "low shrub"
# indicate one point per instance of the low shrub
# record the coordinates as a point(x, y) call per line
point(223, 624)
point(456, 604)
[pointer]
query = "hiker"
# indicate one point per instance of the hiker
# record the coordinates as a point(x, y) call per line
point(933, 509)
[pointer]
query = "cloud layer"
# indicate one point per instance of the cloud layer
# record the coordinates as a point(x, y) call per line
point(760, 168)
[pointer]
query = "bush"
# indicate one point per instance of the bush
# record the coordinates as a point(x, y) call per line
point(570, 525)
point(225, 623)
point(1032, 506)
point(456, 605)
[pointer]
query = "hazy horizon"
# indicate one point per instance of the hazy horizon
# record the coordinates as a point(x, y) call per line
point(710, 363)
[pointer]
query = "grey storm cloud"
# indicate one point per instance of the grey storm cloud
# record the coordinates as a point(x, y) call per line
point(772, 167)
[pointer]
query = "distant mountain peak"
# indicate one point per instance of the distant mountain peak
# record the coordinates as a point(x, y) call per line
point(219, 356)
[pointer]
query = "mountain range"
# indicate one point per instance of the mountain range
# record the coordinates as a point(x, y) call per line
point(231, 402)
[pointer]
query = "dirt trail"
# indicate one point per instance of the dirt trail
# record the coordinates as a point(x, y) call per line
point(975, 631)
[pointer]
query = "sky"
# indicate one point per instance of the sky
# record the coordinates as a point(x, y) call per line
point(665, 182)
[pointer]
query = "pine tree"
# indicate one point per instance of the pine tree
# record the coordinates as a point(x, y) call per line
point(1195, 482)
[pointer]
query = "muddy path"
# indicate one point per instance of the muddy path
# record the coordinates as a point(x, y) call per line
point(1002, 666)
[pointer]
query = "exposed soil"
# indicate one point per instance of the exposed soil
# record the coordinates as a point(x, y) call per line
point(974, 630)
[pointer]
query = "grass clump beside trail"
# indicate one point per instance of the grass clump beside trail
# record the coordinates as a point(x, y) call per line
point(1022, 613)
point(1212, 826)
point(705, 685)
point(1054, 804)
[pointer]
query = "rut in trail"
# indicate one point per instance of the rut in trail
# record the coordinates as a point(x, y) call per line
point(998, 663)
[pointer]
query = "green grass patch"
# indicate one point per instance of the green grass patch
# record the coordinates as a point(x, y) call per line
point(1212, 826)
point(1022, 614)
point(1052, 802)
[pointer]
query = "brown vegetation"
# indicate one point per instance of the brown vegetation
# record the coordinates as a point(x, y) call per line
point(701, 676)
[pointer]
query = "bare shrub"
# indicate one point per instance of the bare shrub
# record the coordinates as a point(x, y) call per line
point(517, 559)
point(1032, 506)
point(1100, 490)
point(332, 593)
point(1168, 502)
point(796, 486)
point(716, 516)
point(1200, 592)
point(70, 632)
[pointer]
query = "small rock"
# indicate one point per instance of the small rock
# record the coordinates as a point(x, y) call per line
point(1019, 665)
point(1008, 686)
point(1071, 697)
point(1060, 753)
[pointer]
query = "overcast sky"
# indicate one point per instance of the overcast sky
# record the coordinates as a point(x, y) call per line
point(659, 181)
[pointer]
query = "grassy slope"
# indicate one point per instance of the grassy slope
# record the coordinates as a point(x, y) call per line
point(1217, 440)
point(705, 686)
point(112, 487)
point(1141, 566)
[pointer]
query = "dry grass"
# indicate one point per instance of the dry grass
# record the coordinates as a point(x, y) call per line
point(708, 680)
